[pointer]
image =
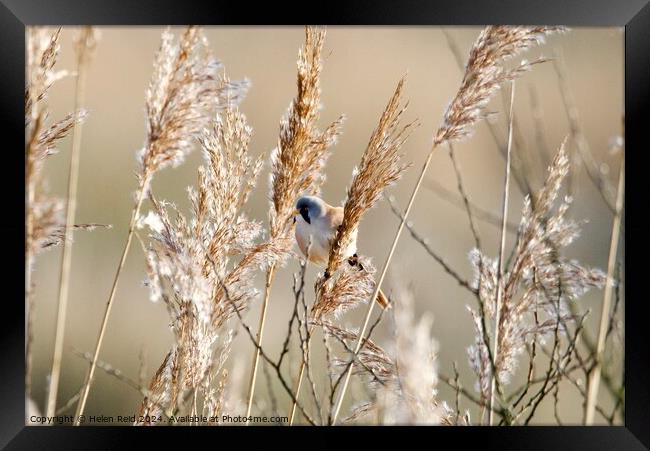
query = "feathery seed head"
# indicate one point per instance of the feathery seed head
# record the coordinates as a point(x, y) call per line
point(298, 160)
point(540, 281)
point(485, 73)
point(380, 167)
point(185, 92)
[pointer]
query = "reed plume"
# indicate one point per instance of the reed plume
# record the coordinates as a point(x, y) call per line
point(538, 286)
point(45, 224)
point(404, 379)
point(484, 74)
point(184, 94)
point(42, 54)
point(203, 267)
point(297, 162)
point(347, 289)
point(42, 139)
point(380, 167)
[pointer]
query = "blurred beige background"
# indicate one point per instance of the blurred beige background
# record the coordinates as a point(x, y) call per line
point(361, 68)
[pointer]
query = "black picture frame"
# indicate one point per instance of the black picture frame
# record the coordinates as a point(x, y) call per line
point(634, 15)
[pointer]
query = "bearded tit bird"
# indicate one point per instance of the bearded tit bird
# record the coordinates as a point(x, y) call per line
point(316, 226)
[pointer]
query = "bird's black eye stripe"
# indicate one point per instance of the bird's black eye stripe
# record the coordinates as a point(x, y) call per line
point(304, 212)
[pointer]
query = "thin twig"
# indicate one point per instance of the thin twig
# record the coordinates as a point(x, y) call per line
point(112, 371)
point(423, 241)
point(602, 184)
point(461, 191)
point(468, 394)
point(306, 348)
point(301, 372)
point(457, 399)
point(269, 389)
point(478, 212)
point(556, 346)
point(538, 120)
point(531, 362)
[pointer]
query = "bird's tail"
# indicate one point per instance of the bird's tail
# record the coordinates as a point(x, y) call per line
point(382, 300)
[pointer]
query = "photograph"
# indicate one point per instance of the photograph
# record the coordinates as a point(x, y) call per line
point(337, 225)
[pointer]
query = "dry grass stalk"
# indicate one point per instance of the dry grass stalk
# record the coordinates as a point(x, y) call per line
point(297, 162)
point(594, 377)
point(85, 41)
point(538, 283)
point(194, 265)
point(502, 250)
point(517, 159)
point(484, 74)
point(44, 220)
point(184, 93)
point(379, 168)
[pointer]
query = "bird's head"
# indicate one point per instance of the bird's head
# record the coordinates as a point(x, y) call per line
point(309, 208)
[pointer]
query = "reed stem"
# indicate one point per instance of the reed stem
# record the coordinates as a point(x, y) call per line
point(594, 376)
point(270, 275)
point(502, 247)
point(70, 209)
point(384, 270)
point(100, 338)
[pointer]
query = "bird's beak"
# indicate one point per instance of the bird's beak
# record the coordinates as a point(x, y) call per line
point(296, 212)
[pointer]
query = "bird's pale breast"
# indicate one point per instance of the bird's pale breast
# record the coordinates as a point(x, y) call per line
point(321, 232)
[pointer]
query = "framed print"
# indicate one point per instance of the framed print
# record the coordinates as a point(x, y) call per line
point(375, 215)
